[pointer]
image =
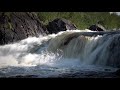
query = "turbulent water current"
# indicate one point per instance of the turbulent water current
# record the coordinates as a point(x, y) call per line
point(68, 54)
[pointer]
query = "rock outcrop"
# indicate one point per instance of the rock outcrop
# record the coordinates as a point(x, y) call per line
point(16, 26)
point(58, 25)
point(97, 27)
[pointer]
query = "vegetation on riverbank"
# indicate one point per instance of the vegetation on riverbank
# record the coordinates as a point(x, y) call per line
point(84, 19)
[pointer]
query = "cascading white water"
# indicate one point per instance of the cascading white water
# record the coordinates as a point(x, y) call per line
point(101, 50)
point(65, 49)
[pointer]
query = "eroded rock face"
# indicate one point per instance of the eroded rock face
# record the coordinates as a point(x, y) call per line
point(16, 26)
point(58, 25)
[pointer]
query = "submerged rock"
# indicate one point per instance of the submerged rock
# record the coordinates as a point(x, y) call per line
point(58, 25)
point(16, 26)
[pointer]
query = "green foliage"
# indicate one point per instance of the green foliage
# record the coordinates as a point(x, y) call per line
point(83, 19)
point(8, 14)
point(10, 26)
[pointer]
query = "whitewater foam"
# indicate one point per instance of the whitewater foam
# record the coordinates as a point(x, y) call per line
point(67, 48)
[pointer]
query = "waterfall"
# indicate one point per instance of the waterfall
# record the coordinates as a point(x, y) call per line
point(66, 49)
point(100, 49)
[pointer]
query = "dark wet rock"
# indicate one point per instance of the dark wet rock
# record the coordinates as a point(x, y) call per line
point(118, 72)
point(97, 27)
point(15, 26)
point(107, 69)
point(58, 25)
point(24, 76)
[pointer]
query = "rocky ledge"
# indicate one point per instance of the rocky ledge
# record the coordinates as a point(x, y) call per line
point(15, 26)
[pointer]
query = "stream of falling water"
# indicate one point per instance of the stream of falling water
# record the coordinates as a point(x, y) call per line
point(66, 54)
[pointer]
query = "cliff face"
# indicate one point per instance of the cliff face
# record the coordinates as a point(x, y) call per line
point(16, 26)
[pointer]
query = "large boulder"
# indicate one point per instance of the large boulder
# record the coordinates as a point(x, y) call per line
point(16, 26)
point(97, 27)
point(58, 25)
